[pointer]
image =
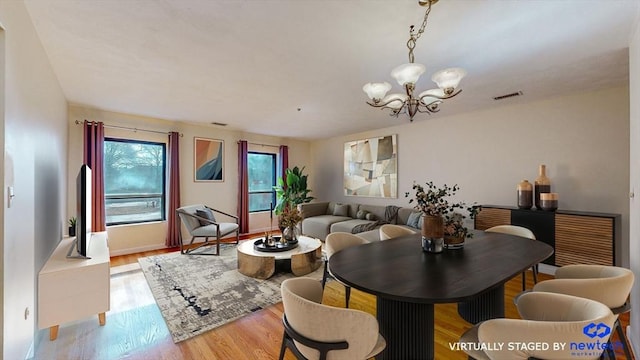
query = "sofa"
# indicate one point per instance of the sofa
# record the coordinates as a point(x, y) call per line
point(321, 218)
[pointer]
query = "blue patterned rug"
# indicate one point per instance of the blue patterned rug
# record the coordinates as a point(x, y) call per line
point(198, 293)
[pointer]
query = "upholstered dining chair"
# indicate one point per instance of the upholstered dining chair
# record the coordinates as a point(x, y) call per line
point(200, 222)
point(609, 285)
point(335, 242)
point(522, 232)
point(316, 331)
point(547, 318)
point(390, 231)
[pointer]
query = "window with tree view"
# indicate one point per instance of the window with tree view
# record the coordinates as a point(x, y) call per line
point(262, 179)
point(134, 181)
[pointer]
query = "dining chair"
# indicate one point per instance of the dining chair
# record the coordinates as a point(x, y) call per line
point(522, 232)
point(312, 330)
point(335, 242)
point(610, 285)
point(201, 222)
point(547, 318)
point(390, 231)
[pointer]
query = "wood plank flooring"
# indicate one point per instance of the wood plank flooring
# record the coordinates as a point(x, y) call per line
point(135, 328)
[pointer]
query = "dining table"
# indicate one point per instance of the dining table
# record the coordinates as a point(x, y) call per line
point(408, 282)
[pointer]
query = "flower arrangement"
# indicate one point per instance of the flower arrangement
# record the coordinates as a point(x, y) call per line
point(454, 222)
point(289, 217)
point(434, 201)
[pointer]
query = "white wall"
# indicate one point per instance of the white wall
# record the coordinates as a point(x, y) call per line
point(582, 138)
point(35, 149)
point(124, 239)
point(634, 165)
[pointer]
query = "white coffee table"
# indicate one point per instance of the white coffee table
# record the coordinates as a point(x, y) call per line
point(305, 258)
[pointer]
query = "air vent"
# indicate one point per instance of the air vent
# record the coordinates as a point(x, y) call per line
point(518, 93)
point(218, 123)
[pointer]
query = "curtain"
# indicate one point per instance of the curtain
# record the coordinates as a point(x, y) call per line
point(243, 183)
point(94, 157)
point(284, 159)
point(173, 221)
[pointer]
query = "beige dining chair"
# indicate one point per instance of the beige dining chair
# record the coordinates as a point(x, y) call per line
point(522, 232)
point(335, 242)
point(316, 331)
point(390, 231)
point(610, 285)
point(547, 318)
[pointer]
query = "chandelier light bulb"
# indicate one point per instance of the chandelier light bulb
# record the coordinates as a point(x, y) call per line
point(448, 79)
point(376, 91)
point(408, 73)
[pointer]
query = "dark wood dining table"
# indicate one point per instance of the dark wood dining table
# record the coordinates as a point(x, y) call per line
point(407, 282)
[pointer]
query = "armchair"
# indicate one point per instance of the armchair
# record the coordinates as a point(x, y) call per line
point(200, 221)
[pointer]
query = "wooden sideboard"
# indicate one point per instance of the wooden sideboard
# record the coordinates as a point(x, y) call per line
point(578, 237)
point(72, 289)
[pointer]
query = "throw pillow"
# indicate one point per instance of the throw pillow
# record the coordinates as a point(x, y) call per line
point(207, 214)
point(413, 219)
point(371, 217)
point(341, 210)
point(362, 214)
point(420, 222)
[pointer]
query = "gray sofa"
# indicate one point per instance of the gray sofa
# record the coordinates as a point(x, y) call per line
point(321, 218)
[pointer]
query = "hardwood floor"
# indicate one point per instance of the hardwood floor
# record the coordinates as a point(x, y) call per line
point(135, 328)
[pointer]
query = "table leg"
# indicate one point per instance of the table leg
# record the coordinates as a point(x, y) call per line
point(407, 328)
point(488, 305)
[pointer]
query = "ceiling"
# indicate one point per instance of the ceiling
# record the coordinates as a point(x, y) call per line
point(296, 68)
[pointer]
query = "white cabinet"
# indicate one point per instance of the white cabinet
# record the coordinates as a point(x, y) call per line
point(72, 289)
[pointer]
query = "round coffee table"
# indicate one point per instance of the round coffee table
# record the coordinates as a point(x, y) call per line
point(305, 258)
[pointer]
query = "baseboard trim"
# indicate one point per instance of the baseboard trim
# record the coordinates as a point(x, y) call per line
point(547, 269)
point(136, 250)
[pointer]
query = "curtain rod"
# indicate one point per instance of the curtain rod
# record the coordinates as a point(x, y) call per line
point(132, 129)
point(252, 143)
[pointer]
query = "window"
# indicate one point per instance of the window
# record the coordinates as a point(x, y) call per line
point(262, 179)
point(134, 181)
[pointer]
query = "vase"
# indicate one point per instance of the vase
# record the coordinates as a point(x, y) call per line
point(290, 234)
point(432, 233)
point(542, 184)
point(454, 242)
point(549, 201)
point(525, 194)
point(72, 231)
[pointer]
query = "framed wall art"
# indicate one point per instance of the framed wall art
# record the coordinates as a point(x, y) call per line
point(208, 159)
point(371, 167)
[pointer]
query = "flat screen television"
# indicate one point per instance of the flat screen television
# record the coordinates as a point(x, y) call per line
point(83, 213)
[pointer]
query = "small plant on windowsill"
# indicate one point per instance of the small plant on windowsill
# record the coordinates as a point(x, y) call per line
point(72, 226)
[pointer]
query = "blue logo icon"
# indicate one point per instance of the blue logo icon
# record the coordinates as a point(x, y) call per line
point(596, 330)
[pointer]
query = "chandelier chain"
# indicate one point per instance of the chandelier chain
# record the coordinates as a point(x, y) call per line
point(413, 36)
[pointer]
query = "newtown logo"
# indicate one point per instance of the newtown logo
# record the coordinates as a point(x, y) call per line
point(596, 330)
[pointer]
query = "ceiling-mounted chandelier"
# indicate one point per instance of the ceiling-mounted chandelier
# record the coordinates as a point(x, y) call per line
point(408, 74)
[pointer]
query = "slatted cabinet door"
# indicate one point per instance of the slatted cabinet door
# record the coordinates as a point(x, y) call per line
point(584, 240)
point(490, 217)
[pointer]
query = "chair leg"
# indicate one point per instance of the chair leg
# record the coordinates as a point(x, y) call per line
point(283, 347)
point(623, 339)
point(524, 281)
point(609, 351)
point(347, 295)
point(534, 268)
point(325, 273)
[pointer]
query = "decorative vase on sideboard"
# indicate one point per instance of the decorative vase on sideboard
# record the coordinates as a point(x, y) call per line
point(432, 233)
point(542, 184)
point(525, 194)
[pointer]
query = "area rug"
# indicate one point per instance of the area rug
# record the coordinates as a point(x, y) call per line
point(197, 293)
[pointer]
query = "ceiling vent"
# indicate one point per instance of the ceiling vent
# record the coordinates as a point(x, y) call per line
point(218, 123)
point(506, 96)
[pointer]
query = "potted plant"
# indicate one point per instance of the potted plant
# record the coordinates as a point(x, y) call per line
point(72, 226)
point(291, 191)
point(439, 213)
point(455, 232)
